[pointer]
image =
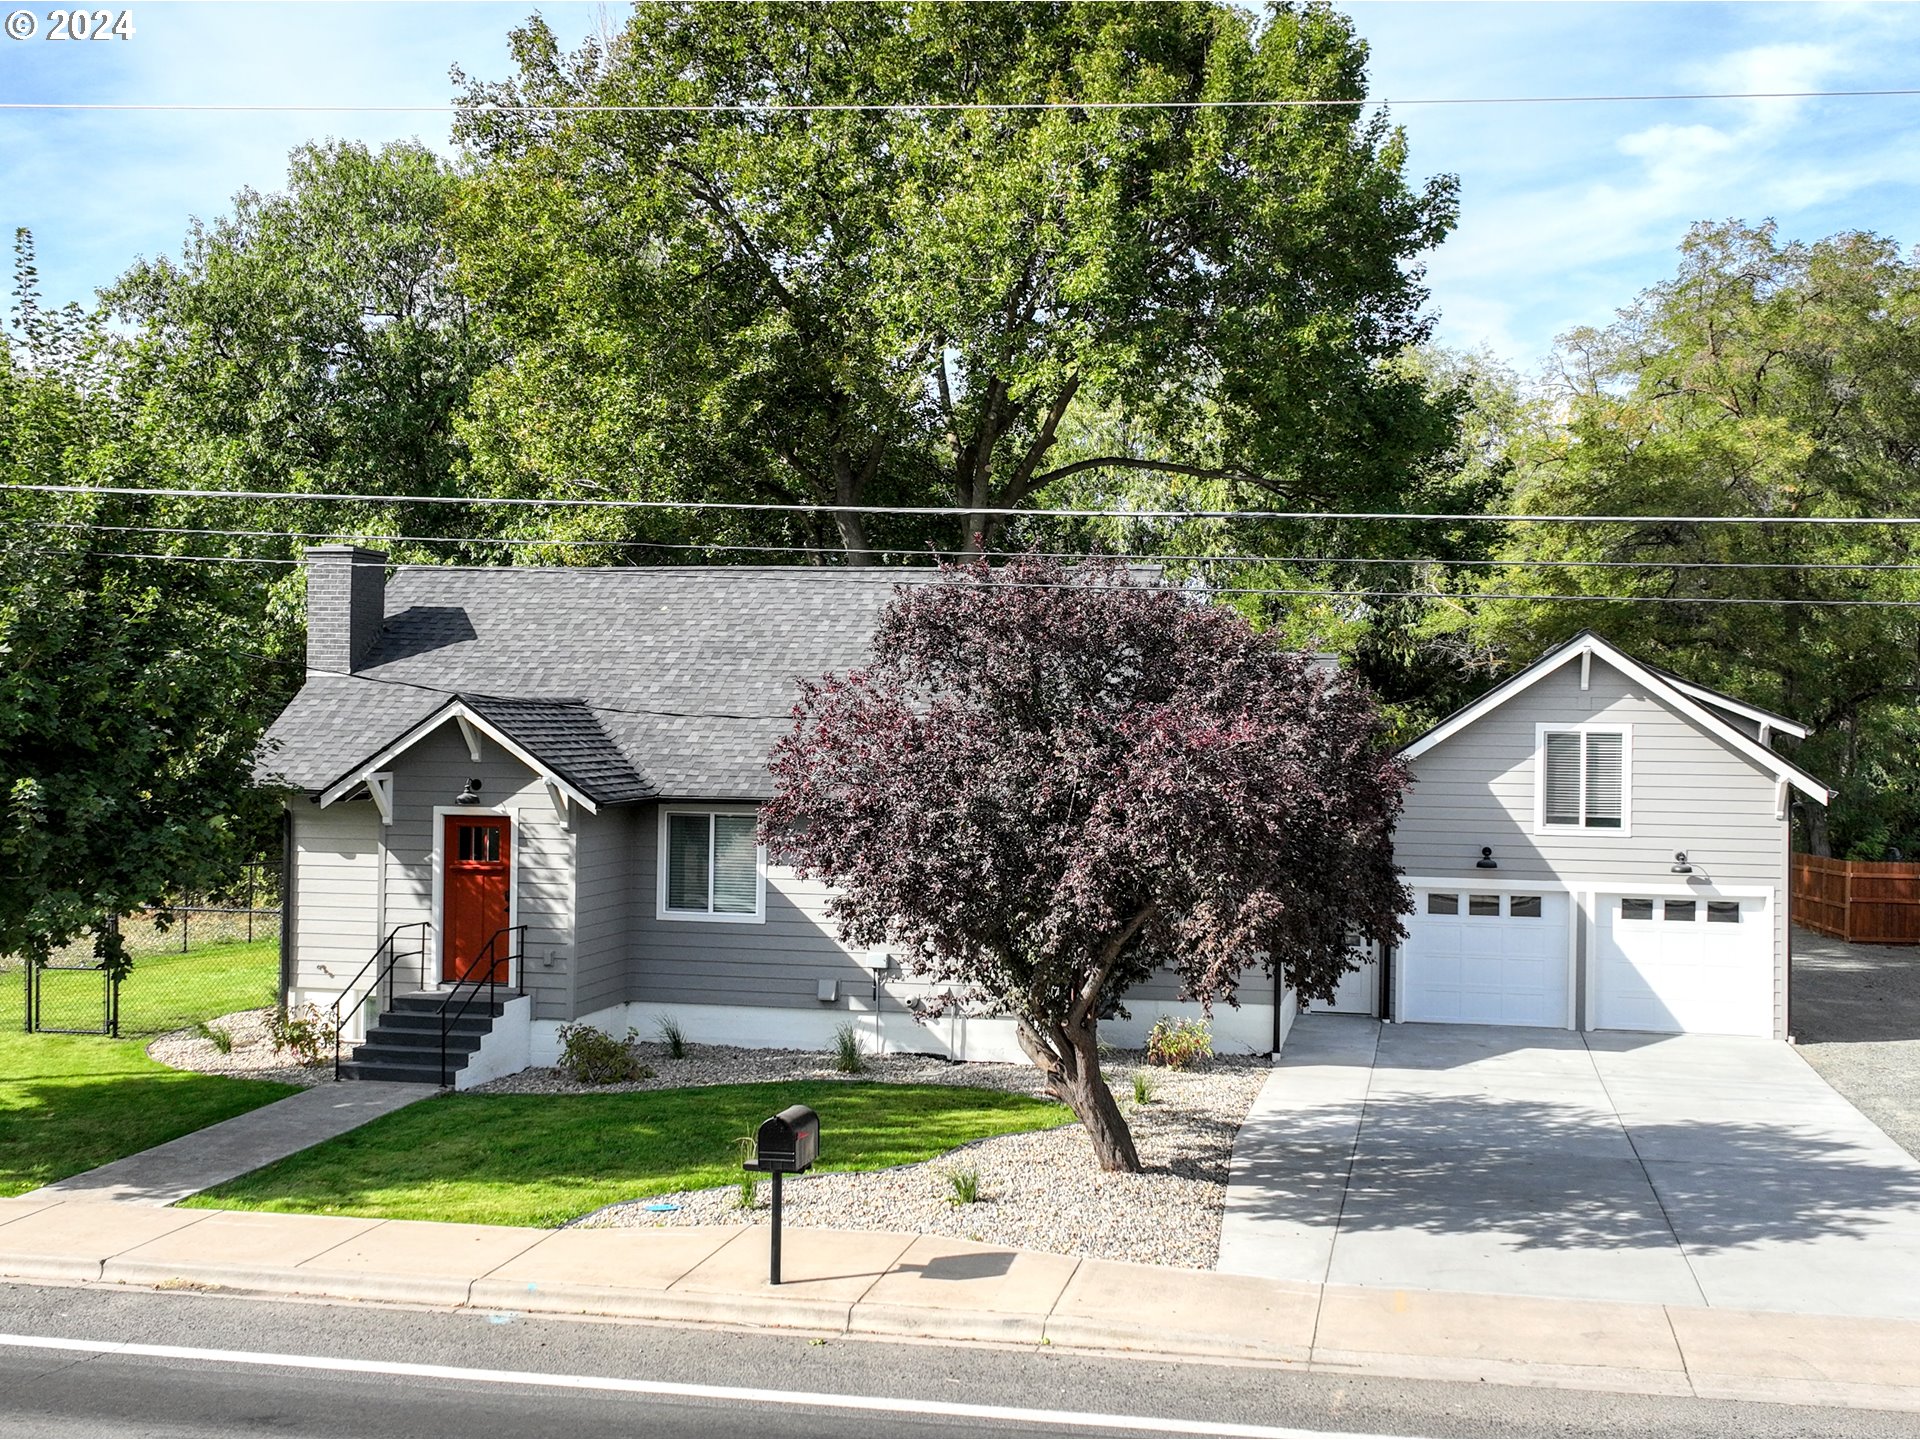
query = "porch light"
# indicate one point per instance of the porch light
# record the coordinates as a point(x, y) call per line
point(470, 795)
point(1680, 865)
point(1486, 860)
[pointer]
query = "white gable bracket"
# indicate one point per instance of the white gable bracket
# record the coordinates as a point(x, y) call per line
point(469, 723)
point(557, 797)
point(470, 735)
point(380, 787)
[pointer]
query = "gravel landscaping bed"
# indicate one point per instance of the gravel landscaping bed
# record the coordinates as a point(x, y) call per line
point(1856, 1013)
point(252, 1057)
point(730, 1065)
point(1038, 1191)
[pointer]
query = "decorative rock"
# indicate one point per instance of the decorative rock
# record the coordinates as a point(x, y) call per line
point(252, 1057)
point(1040, 1190)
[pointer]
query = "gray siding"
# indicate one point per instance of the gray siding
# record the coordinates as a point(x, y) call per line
point(1689, 791)
point(431, 774)
point(777, 962)
point(605, 906)
point(335, 859)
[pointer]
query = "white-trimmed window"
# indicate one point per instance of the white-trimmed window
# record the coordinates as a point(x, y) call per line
point(711, 868)
point(1583, 778)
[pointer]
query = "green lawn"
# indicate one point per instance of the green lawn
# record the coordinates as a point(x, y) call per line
point(71, 1102)
point(170, 990)
point(547, 1159)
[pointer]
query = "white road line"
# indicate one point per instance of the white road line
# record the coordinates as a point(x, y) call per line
point(1012, 1414)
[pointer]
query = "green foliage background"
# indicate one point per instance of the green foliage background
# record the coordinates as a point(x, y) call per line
point(1145, 309)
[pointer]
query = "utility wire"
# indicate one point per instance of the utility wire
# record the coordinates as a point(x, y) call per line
point(772, 107)
point(1223, 558)
point(810, 507)
point(891, 575)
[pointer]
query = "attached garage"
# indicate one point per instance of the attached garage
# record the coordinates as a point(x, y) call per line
point(1701, 965)
point(1483, 956)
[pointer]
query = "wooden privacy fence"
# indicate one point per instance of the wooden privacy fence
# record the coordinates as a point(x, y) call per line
point(1875, 902)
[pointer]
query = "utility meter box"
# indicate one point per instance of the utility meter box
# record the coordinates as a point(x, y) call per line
point(787, 1143)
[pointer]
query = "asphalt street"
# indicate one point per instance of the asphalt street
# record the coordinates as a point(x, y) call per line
point(86, 1393)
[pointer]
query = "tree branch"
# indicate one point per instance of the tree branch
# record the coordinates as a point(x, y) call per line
point(1109, 957)
point(1164, 467)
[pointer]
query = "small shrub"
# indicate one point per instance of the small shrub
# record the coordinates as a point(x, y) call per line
point(304, 1033)
point(1179, 1044)
point(593, 1057)
point(1142, 1088)
point(217, 1036)
point(965, 1187)
point(672, 1036)
point(849, 1058)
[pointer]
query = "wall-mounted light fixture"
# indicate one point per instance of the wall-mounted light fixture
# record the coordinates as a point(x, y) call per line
point(470, 795)
point(1680, 865)
point(1486, 860)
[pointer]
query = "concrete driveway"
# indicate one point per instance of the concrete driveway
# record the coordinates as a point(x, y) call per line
point(1684, 1170)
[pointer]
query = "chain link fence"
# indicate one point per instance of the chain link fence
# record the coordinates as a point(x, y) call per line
point(206, 956)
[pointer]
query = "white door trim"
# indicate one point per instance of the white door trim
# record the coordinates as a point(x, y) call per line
point(512, 817)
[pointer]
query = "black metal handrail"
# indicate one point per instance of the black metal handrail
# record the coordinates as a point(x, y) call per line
point(389, 948)
point(490, 957)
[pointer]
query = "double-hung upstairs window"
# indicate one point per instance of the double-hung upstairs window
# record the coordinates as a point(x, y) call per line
point(1582, 778)
point(711, 867)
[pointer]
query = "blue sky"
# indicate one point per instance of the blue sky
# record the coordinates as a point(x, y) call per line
point(1567, 210)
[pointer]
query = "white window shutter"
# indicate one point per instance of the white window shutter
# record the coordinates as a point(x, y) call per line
point(1562, 780)
point(1605, 781)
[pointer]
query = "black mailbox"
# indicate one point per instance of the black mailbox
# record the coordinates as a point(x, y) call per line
point(787, 1143)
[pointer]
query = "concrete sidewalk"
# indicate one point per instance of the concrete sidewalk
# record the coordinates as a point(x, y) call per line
point(917, 1286)
point(171, 1172)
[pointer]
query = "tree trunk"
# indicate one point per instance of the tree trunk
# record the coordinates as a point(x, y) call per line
point(853, 537)
point(1073, 1078)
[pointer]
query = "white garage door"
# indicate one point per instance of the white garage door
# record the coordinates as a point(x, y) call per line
point(1702, 965)
point(1480, 956)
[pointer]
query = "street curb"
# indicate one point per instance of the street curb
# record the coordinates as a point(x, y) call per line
point(896, 1321)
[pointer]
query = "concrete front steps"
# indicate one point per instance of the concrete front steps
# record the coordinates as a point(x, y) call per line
point(404, 1044)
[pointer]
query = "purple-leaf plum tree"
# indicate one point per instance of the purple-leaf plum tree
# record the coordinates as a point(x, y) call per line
point(1049, 784)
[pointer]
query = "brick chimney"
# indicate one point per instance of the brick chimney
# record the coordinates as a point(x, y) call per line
point(346, 601)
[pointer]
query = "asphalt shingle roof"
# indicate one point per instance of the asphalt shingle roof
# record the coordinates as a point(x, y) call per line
point(690, 675)
point(569, 740)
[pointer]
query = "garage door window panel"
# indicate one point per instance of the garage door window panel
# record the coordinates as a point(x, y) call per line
point(1583, 778)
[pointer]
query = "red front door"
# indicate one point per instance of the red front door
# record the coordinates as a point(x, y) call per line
point(478, 903)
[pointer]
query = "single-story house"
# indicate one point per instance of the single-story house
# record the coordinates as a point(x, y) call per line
point(550, 776)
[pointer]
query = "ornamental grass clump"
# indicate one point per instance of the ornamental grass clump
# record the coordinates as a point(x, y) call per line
point(849, 1056)
point(671, 1036)
point(963, 1187)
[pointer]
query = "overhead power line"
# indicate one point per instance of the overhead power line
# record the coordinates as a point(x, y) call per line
point(1156, 557)
point(929, 107)
point(890, 575)
point(809, 507)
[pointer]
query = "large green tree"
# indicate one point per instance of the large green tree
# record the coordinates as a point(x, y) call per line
point(311, 341)
point(1766, 379)
point(876, 304)
point(129, 701)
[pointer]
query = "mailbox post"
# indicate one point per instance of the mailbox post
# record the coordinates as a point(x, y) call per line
point(787, 1144)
